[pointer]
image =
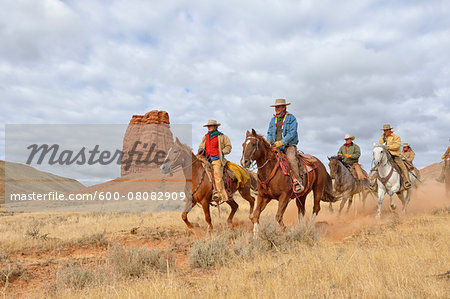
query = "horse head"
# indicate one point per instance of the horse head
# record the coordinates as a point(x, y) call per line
point(252, 148)
point(379, 153)
point(175, 157)
point(334, 164)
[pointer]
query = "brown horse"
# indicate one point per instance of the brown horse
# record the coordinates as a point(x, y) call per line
point(201, 189)
point(273, 184)
point(447, 175)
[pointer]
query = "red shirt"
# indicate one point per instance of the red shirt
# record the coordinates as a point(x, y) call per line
point(212, 146)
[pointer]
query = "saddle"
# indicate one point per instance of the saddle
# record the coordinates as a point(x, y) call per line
point(409, 165)
point(228, 176)
point(395, 166)
point(357, 172)
point(306, 162)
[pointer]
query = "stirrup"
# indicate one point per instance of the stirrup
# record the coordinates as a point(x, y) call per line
point(407, 185)
point(298, 187)
point(216, 197)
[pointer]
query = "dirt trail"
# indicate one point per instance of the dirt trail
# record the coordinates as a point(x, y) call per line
point(43, 266)
point(428, 197)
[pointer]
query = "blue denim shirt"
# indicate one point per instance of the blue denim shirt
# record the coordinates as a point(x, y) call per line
point(290, 135)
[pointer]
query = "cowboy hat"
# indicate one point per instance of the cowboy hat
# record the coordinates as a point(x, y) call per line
point(212, 122)
point(280, 102)
point(405, 144)
point(386, 127)
point(348, 136)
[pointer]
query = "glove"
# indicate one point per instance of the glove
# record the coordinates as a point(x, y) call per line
point(278, 144)
point(348, 156)
point(443, 157)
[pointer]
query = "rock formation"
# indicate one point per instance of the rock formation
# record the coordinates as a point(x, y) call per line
point(146, 142)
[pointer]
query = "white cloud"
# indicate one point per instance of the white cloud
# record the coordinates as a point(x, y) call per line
point(346, 66)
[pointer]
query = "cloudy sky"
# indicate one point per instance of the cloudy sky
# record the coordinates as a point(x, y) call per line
point(346, 67)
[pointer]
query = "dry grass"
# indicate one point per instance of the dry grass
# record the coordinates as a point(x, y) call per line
point(402, 259)
point(399, 257)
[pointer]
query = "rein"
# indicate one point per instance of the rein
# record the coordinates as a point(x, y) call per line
point(263, 183)
point(388, 177)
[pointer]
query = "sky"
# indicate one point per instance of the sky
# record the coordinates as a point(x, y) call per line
point(346, 67)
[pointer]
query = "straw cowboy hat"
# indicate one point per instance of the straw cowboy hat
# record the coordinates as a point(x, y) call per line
point(405, 144)
point(212, 122)
point(386, 127)
point(280, 102)
point(348, 136)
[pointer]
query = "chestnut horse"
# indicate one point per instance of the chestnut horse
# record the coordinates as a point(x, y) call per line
point(180, 155)
point(273, 184)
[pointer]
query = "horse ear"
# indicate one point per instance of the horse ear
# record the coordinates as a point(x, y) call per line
point(177, 140)
point(328, 158)
point(253, 132)
point(247, 133)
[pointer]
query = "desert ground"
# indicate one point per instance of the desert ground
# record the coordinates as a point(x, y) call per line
point(154, 255)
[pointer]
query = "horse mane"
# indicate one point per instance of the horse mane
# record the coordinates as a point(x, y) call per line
point(383, 146)
point(261, 137)
point(341, 164)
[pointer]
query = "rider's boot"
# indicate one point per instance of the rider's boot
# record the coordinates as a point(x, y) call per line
point(405, 172)
point(216, 197)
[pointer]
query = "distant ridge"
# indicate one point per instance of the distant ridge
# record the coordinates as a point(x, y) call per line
point(20, 176)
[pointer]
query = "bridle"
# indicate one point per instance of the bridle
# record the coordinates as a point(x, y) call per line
point(176, 159)
point(254, 150)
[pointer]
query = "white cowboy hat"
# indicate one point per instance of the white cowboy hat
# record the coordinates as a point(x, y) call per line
point(280, 102)
point(386, 127)
point(348, 136)
point(212, 122)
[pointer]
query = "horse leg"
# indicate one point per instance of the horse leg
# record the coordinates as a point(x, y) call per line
point(205, 206)
point(330, 207)
point(187, 208)
point(301, 208)
point(283, 201)
point(343, 201)
point(350, 201)
point(381, 194)
point(406, 199)
point(364, 197)
point(261, 203)
point(234, 206)
point(247, 195)
point(316, 208)
point(393, 206)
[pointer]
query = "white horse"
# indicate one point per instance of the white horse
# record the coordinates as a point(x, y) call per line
point(388, 179)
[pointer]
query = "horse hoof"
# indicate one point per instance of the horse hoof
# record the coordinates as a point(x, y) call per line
point(393, 207)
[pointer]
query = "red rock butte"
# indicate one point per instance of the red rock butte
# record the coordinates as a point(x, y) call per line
point(152, 130)
point(152, 117)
